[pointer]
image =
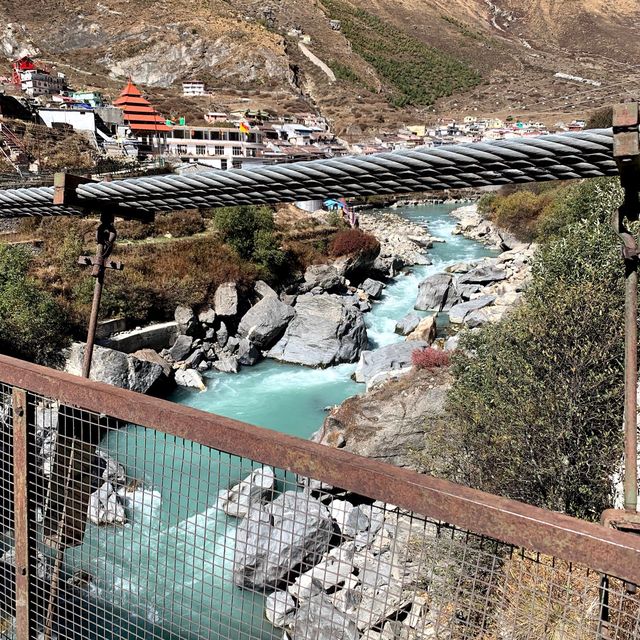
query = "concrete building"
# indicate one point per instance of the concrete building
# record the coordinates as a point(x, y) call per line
point(219, 147)
point(35, 82)
point(194, 88)
point(79, 119)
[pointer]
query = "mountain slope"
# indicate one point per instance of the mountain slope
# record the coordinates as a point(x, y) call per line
point(397, 61)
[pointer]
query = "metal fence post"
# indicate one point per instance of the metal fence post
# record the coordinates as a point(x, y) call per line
point(21, 511)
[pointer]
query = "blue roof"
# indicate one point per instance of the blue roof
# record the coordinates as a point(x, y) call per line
point(333, 203)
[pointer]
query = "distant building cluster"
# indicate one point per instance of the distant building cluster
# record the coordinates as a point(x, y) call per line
point(130, 126)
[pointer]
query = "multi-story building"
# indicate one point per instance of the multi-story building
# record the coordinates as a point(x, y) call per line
point(36, 82)
point(219, 147)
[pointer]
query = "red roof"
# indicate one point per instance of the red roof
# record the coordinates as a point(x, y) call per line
point(139, 115)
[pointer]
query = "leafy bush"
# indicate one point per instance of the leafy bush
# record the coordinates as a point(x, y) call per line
point(351, 241)
point(32, 324)
point(600, 118)
point(519, 212)
point(536, 406)
point(179, 223)
point(134, 230)
point(430, 358)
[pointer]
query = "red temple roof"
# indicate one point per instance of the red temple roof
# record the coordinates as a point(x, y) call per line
point(139, 115)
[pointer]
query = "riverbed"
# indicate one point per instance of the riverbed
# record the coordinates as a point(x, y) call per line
point(171, 563)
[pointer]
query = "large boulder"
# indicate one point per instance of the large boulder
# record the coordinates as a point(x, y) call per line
point(326, 330)
point(373, 288)
point(459, 312)
point(484, 274)
point(426, 330)
point(405, 326)
point(325, 276)
point(390, 361)
point(181, 348)
point(190, 378)
point(274, 538)
point(225, 300)
point(186, 320)
point(116, 368)
point(263, 290)
point(248, 354)
point(266, 321)
point(433, 292)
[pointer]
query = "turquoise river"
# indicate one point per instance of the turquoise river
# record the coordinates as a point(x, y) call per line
point(171, 563)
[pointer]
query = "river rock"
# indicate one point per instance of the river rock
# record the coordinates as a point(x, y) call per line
point(190, 378)
point(484, 316)
point(266, 321)
point(393, 360)
point(105, 507)
point(326, 330)
point(248, 354)
point(116, 368)
point(225, 300)
point(278, 606)
point(484, 274)
point(238, 501)
point(318, 619)
point(181, 348)
point(324, 276)
point(274, 538)
point(373, 288)
point(433, 292)
point(263, 290)
point(227, 364)
point(459, 312)
point(207, 317)
point(405, 326)
point(222, 335)
point(186, 319)
point(426, 330)
point(113, 470)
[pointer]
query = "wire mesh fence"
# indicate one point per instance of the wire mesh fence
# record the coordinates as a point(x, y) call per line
point(136, 533)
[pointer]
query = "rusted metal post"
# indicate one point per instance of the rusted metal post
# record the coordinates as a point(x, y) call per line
point(626, 150)
point(21, 511)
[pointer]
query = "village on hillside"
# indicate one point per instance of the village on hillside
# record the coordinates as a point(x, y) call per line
point(129, 128)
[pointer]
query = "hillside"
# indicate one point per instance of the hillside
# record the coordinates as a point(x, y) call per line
point(395, 62)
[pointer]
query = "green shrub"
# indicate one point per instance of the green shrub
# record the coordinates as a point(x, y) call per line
point(33, 325)
point(519, 212)
point(536, 406)
point(238, 226)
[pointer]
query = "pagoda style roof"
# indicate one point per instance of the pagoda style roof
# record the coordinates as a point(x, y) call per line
point(139, 115)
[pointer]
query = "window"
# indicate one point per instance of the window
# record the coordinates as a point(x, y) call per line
point(215, 135)
point(234, 136)
point(182, 149)
point(237, 164)
point(178, 133)
point(197, 135)
point(223, 164)
point(219, 150)
point(237, 151)
point(251, 153)
point(201, 150)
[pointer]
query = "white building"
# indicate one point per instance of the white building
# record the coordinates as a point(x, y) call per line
point(38, 83)
point(219, 147)
point(194, 88)
point(79, 119)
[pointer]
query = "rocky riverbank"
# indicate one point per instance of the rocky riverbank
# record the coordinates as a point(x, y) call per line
point(472, 224)
point(317, 321)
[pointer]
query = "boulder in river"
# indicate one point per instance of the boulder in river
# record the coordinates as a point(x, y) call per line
point(105, 506)
point(405, 326)
point(483, 274)
point(190, 378)
point(248, 354)
point(326, 330)
point(279, 606)
point(227, 364)
point(238, 500)
point(433, 292)
point(390, 361)
point(275, 538)
point(181, 348)
point(266, 321)
point(373, 288)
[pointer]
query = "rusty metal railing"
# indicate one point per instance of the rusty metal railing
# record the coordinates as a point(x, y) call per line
point(316, 543)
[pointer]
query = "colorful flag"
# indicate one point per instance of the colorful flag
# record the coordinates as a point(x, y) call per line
point(244, 127)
